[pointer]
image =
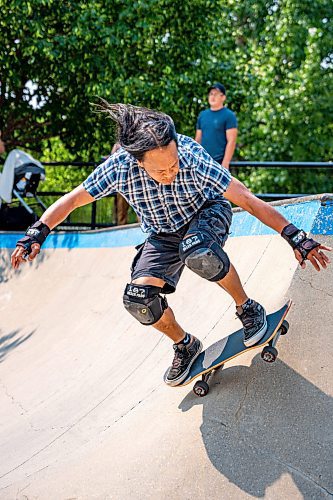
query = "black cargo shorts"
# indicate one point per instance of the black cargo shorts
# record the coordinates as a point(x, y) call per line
point(159, 257)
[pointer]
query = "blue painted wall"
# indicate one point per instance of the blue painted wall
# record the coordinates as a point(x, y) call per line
point(308, 215)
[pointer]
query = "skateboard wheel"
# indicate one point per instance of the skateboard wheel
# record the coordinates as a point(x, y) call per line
point(201, 388)
point(284, 327)
point(269, 354)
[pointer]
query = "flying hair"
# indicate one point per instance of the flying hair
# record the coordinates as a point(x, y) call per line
point(139, 129)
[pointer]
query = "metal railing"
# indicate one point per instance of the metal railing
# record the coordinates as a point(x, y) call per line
point(93, 223)
point(236, 166)
point(282, 164)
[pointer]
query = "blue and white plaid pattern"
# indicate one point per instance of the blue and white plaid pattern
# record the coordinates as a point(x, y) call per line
point(162, 208)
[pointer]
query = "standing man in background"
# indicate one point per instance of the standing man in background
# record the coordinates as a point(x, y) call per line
point(217, 127)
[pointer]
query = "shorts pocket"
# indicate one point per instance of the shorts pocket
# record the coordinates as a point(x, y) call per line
point(139, 249)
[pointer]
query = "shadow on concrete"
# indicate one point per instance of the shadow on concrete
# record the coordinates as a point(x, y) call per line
point(264, 421)
point(7, 272)
point(10, 341)
point(4, 265)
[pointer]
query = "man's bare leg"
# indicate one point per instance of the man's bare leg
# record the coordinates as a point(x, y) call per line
point(188, 347)
point(251, 314)
point(232, 284)
point(167, 324)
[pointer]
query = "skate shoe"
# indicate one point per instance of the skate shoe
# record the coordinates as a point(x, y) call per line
point(185, 355)
point(253, 317)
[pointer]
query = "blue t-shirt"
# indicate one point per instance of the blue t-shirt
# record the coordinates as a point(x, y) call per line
point(214, 125)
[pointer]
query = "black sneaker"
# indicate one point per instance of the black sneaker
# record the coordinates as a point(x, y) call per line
point(185, 354)
point(253, 317)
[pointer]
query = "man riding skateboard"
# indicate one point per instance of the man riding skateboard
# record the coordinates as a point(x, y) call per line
point(182, 198)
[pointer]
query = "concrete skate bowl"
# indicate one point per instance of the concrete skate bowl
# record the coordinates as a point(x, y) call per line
point(84, 412)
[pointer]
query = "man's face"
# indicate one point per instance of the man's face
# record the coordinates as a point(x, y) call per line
point(216, 98)
point(162, 164)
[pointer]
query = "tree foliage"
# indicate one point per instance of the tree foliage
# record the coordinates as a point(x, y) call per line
point(286, 62)
point(61, 55)
point(274, 56)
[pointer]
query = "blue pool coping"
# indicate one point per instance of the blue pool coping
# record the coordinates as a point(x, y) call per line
point(313, 214)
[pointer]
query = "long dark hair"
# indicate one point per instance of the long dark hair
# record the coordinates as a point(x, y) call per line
point(139, 129)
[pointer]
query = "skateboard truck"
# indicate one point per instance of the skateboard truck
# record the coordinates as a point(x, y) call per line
point(269, 352)
point(201, 387)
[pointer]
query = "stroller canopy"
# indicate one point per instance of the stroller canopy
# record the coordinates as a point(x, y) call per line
point(18, 168)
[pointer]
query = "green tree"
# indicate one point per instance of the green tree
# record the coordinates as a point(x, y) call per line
point(281, 55)
point(290, 100)
point(56, 57)
point(275, 58)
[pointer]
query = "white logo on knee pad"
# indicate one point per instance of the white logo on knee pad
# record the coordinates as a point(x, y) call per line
point(135, 291)
point(191, 241)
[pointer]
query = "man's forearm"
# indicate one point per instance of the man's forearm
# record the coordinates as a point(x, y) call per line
point(198, 136)
point(229, 153)
point(61, 209)
point(58, 212)
point(267, 214)
point(238, 194)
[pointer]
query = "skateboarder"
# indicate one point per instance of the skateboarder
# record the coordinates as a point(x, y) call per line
point(182, 198)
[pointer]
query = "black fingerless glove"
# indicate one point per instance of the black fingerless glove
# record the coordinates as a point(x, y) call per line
point(37, 233)
point(298, 240)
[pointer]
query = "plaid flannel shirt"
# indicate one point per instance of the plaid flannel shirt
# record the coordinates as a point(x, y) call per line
point(161, 207)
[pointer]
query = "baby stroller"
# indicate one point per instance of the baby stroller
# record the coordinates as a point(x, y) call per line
point(19, 180)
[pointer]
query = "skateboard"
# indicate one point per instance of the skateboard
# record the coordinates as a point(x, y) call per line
point(215, 356)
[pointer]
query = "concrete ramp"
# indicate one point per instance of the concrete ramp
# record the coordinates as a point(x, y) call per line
point(84, 412)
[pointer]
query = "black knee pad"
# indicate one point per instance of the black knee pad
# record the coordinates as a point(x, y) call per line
point(204, 257)
point(144, 302)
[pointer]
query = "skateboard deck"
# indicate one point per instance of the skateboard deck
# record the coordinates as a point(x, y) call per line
point(232, 346)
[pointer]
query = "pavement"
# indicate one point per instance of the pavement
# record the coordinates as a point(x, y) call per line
point(84, 412)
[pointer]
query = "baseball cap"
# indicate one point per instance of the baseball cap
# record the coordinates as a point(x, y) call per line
point(217, 86)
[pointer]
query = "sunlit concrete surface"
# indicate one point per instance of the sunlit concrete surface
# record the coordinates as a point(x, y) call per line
point(84, 412)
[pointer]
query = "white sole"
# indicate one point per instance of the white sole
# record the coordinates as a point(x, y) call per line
point(257, 337)
point(179, 380)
